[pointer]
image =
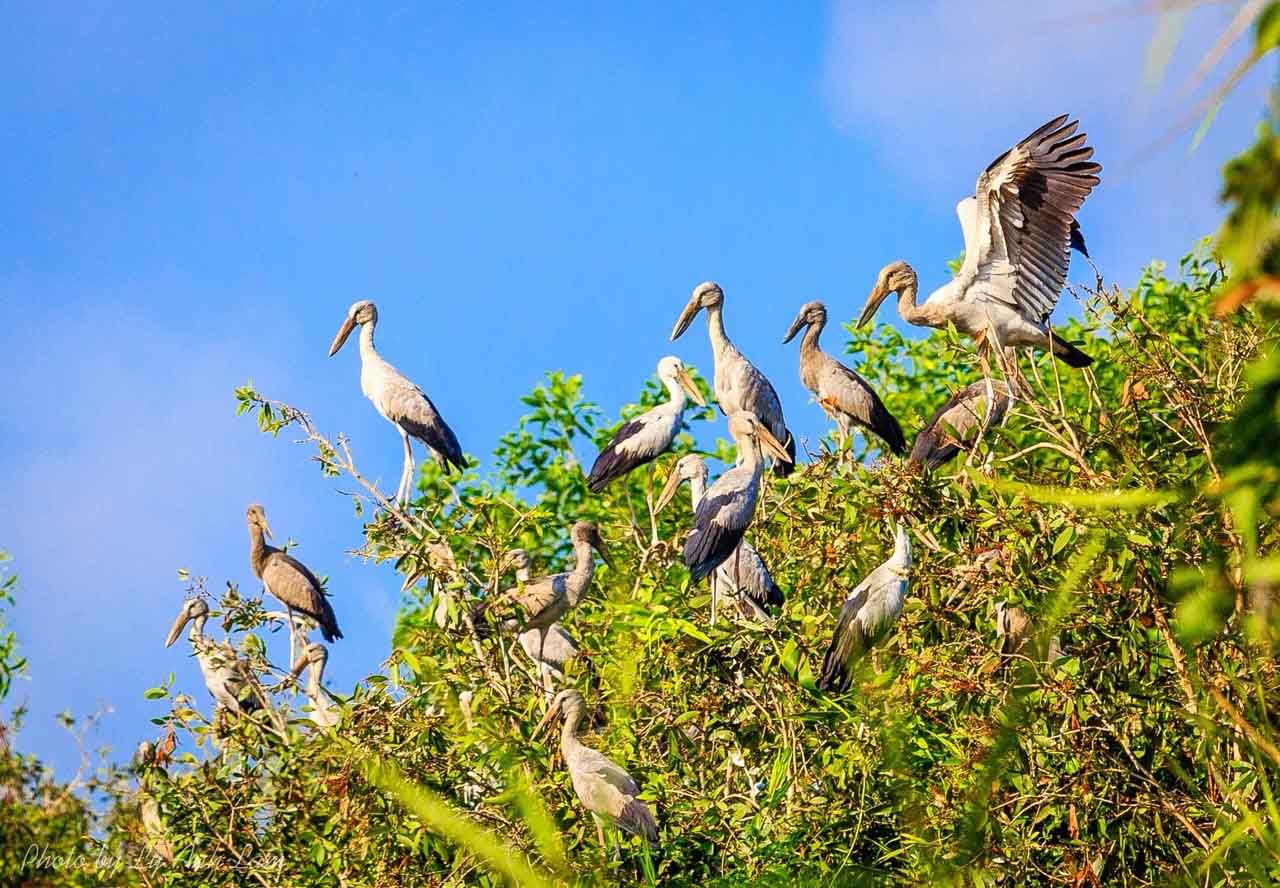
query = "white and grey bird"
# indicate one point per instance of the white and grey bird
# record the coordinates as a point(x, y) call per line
point(398, 400)
point(959, 423)
point(738, 384)
point(603, 787)
point(1019, 228)
point(542, 602)
point(148, 769)
point(288, 579)
point(225, 674)
point(868, 613)
point(743, 576)
point(552, 653)
point(323, 711)
point(727, 508)
point(648, 436)
point(842, 394)
point(1016, 630)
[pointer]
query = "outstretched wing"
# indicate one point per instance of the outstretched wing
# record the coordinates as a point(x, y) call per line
point(1018, 225)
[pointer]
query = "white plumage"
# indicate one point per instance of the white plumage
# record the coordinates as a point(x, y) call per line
point(225, 674)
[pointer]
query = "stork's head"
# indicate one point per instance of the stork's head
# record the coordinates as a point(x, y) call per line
point(896, 277)
point(145, 755)
point(706, 295)
point(812, 314)
point(749, 431)
point(518, 560)
point(586, 532)
point(193, 609)
point(568, 703)
point(687, 468)
point(901, 547)
point(671, 371)
point(256, 517)
point(362, 312)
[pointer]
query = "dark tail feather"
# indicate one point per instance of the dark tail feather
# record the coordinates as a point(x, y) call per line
point(835, 674)
point(887, 427)
point(1067, 353)
point(783, 469)
point(636, 819)
point(930, 452)
point(479, 619)
point(1077, 239)
point(774, 596)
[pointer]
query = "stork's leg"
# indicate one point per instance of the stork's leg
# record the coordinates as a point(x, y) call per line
point(604, 849)
point(406, 475)
point(292, 637)
point(715, 595)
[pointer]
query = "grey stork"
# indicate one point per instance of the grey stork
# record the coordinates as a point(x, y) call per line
point(726, 510)
point(398, 400)
point(842, 394)
point(288, 579)
point(958, 424)
point(1019, 227)
point(323, 713)
point(646, 437)
point(543, 601)
point(225, 675)
point(743, 574)
point(738, 384)
point(603, 787)
point(552, 653)
point(868, 613)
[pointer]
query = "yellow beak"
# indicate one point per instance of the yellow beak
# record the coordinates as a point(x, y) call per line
point(690, 387)
point(546, 720)
point(178, 624)
point(668, 490)
point(343, 332)
point(686, 318)
point(771, 446)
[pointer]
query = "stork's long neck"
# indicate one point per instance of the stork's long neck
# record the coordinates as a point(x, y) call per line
point(697, 489)
point(196, 635)
point(715, 328)
point(676, 391)
point(579, 579)
point(749, 456)
point(569, 741)
point(258, 550)
point(314, 675)
point(367, 352)
point(809, 344)
point(907, 308)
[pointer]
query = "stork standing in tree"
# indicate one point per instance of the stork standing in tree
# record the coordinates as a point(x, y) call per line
point(650, 434)
point(551, 653)
point(323, 713)
point(288, 579)
point(842, 394)
point(544, 601)
point(225, 674)
point(1019, 228)
point(603, 787)
point(738, 384)
point(398, 400)
point(869, 611)
point(959, 423)
point(726, 510)
point(743, 575)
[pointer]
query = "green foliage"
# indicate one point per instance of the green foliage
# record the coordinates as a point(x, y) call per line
point(11, 665)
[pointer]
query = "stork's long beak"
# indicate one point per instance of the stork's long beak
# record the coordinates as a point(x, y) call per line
point(668, 490)
point(598, 544)
point(878, 294)
point(178, 624)
point(686, 318)
point(343, 332)
point(266, 528)
point(796, 326)
point(547, 719)
point(690, 387)
point(772, 446)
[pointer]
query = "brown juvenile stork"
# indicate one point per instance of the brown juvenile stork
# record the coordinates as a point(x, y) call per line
point(545, 600)
point(550, 652)
point(960, 422)
point(288, 579)
point(842, 394)
point(738, 384)
point(1019, 228)
point(603, 787)
point(398, 400)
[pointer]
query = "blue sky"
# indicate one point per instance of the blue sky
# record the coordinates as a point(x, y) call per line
point(193, 196)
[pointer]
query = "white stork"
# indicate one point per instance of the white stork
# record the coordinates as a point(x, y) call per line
point(225, 674)
point(323, 713)
point(958, 424)
point(726, 510)
point(743, 574)
point(398, 400)
point(842, 394)
point(648, 436)
point(603, 787)
point(1019, 228)
point(869, 611)
point(738, 384)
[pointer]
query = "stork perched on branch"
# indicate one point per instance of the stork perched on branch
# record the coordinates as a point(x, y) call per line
point(225, 674)
point(648, 436)
point(398, 400)
point(738, 384)
point(1019, 228)
point(960, 422)
point(842, 394)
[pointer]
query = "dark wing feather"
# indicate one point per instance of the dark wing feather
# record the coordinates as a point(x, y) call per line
point(848, 642)
point(1029, 196)
point(636, 819)
point(613, 463)
point(783, 469)
point(880, 421)
point(427, 425)
point(292, 582)
point(711, 542)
